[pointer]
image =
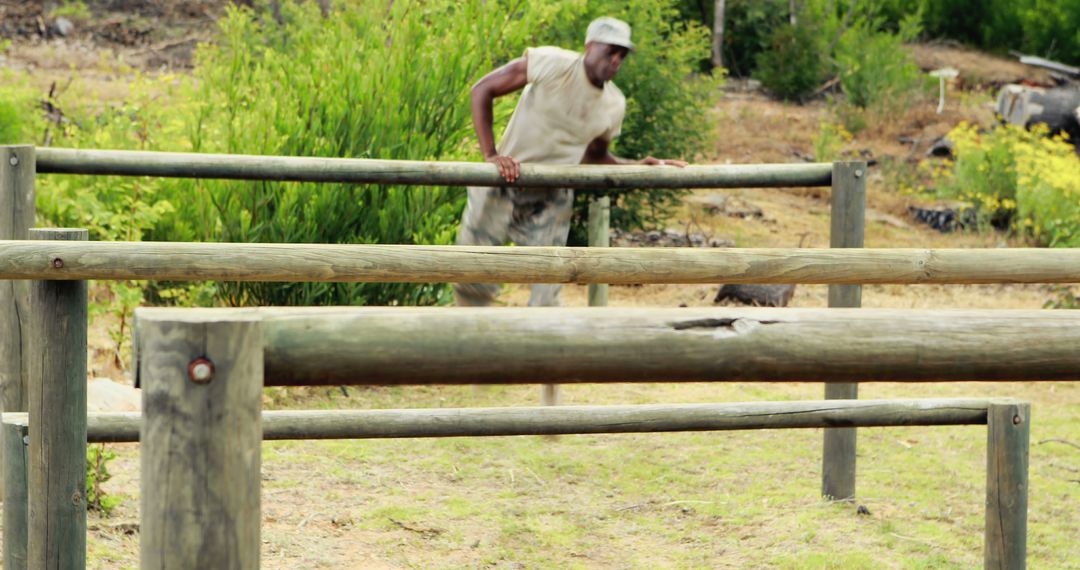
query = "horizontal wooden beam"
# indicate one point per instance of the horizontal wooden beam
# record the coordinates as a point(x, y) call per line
point(547, 420)
point(366, 171)
point(475, 264)
point(400, 345)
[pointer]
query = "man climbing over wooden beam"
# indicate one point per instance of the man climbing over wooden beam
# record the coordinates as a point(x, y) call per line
point(569, 113)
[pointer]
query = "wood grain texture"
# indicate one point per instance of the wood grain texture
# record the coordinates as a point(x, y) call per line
point(621, 266)
point(56, 378)
point(1008, 434)
point(363, 171)
point(16, 218)
point(123, 427)
point(599, 236)
point(13, 434)
point(200, 453)
point(430, 345)
point(848, 221)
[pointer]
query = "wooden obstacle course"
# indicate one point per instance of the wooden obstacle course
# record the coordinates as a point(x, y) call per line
point(65, 262)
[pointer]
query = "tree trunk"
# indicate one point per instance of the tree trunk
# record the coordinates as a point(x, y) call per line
point(718, 35)
point(1056, 108)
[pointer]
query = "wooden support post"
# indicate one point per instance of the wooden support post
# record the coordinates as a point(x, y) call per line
point(56, 376)
point(848, 222)
point(599, 236)
point(202, 391)
point(16, 218)
point(13, 438)
point(1008, 432)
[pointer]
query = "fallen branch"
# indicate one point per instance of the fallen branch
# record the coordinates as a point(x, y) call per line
point(426, 532)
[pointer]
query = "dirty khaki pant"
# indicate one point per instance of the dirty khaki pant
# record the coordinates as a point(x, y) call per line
point(525, 216)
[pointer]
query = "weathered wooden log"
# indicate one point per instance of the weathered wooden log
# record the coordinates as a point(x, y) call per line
point(123, 427)
point(200, 453)
point(475, 264)
point(16, 219)
point(848, 222)
point(56, 378)
point(17, 171)
point(357, 345)
point(365, 171)
point(1008, 435)
point(1055, 108)
point(13, 437)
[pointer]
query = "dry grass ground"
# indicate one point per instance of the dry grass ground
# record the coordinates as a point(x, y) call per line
point(693, 500)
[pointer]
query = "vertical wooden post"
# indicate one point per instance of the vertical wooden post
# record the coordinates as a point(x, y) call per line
point(848, 224)
point(13, 439)
point(201, 436)
point(1008, 432)
point(599, 236)
point(17, 168)
point(57, 384)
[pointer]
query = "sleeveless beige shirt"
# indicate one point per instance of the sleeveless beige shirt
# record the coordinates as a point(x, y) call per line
point(560, 111)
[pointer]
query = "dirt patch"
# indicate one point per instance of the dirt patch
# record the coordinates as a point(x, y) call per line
point(977, 69)
point(151, 35)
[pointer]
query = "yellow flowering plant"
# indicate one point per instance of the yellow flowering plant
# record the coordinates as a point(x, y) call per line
point(1016, 179)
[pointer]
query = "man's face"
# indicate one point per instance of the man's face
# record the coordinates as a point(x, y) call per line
point(604, 60)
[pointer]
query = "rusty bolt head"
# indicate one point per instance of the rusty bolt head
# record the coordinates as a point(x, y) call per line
point(1017, 420)
point(58, 263)
point(76, 498)
point(201, 370)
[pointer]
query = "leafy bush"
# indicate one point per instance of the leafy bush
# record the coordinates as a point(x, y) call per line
point(829, 141)
point(19, 118)
point(97, 473)
point(112, 207)
point(381, 80)
point(1018, 178)
point(369, 82)
point(73, 9)
point(1041, 27)
point(794, 63)
point(1050, 28)
point(876, 72)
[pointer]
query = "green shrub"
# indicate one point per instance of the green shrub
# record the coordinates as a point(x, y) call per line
point(19, 115)
point(1017, 178)
point(829, 141)
point(1041, 27)
point(1050, 28)
point(367, 82)
point(876, 71)
point(794, 64)
point(112, 207)
point(73, 9)
point(97, 473)
point(379, 80)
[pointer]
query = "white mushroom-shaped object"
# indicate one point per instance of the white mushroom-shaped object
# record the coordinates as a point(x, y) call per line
point(943, 74)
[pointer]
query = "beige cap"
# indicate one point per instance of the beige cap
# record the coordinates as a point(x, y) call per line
point(609, 31)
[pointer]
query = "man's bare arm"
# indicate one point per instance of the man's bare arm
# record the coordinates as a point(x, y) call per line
point(599, 152)
point(507, 79)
